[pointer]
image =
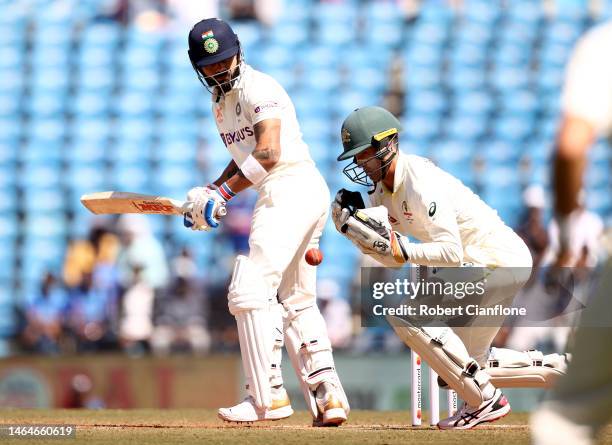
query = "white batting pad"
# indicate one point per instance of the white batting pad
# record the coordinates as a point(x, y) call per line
point(249, 302)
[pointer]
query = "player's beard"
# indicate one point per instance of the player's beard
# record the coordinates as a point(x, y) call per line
point(375, 174)
point(225, 81)
point(376, 169)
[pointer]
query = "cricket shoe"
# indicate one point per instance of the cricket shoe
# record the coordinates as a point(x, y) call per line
point(332, 411)
point(468, 417)
point(246, 411)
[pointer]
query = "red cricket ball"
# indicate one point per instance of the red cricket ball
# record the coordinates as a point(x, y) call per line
point(313, 256)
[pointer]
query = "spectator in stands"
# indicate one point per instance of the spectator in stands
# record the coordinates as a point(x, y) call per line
point(44, 313)
point(266, 12)
point(237, 224)
point(222, 323)
point(181, 321)
point(584, 238)
point(96, 256)
point(379, 335)
point(105, 273)
point(183, 264)
point(187, 12)
point(80, 259)
point(337, 313)
point(139, 246)
point(136, 326)
point(395, 94)
point(88, 316)
point(148, 15)
point(532, 228)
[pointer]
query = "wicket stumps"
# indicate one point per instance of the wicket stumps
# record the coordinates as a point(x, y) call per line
point(434, 394)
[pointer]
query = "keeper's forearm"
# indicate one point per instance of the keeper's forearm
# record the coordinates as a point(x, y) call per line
point(438, 254)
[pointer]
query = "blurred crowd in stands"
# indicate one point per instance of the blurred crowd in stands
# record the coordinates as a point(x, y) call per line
point(122, 288)
point(119, 291)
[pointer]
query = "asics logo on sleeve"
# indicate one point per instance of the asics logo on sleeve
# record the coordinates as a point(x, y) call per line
point(236, 136)
point(432, 209)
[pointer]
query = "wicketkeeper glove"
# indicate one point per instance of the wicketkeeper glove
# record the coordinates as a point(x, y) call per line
point(369, 229)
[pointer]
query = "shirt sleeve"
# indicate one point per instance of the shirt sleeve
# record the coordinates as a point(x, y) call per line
point(266, 99)
point(587, 92)
point(434, 211)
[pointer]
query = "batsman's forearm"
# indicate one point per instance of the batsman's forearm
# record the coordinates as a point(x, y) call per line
point(229, 171)
point(567, 182)
point(233, 178)
point(238, 183)
point(267, 155)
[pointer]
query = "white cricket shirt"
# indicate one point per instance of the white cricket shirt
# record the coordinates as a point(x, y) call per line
point(255, 98)
point(434, 207)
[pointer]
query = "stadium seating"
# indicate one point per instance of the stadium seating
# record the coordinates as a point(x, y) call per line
point(88, 104)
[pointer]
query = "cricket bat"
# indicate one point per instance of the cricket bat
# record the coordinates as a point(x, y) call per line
point(105, 203)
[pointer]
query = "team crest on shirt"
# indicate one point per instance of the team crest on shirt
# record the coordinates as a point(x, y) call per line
point(406, 213)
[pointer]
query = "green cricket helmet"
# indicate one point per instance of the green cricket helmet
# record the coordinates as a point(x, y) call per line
point(364, 128)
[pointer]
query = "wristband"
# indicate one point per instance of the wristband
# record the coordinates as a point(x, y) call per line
point(226, 192)
point(253, 170)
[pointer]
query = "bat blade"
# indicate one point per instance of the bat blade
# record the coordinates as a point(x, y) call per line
point(106, 203)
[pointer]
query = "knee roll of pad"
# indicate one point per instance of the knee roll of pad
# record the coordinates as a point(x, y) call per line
point(249, 302)
point(248, 290)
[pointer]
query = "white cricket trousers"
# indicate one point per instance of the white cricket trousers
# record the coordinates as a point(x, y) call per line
point(508, 254)
point(289, 217)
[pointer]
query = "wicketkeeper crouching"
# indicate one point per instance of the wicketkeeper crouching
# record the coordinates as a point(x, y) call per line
point(410, 196)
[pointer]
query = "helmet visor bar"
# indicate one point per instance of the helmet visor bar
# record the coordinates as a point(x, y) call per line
point(356, 172)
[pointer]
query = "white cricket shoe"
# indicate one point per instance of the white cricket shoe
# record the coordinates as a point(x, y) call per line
point(332, 411)
point(246, 411)
point(468, 417)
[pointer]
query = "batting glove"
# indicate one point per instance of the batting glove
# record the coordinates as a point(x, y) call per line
point(208, 206)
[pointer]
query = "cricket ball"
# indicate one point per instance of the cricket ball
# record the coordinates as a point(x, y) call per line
point(313, 256)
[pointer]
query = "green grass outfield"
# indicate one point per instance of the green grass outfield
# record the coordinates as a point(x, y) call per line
point(118, 427)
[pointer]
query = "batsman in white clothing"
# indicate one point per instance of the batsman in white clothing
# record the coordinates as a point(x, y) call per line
point(272, 290)
point(413, 197)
